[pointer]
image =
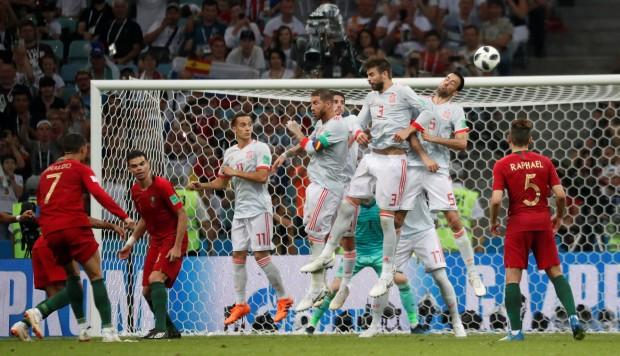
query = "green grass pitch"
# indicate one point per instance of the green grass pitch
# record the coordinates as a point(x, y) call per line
point(432, 345)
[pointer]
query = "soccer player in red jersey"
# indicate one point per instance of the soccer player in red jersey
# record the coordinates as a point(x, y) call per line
point(163, 217)
point(51, 278)
point(67, 230)
point(529, 177)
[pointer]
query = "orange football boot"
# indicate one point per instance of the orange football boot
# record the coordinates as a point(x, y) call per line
point(284, 304)
point(237, 312)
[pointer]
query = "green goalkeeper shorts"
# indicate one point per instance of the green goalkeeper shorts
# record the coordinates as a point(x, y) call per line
point(373, 261)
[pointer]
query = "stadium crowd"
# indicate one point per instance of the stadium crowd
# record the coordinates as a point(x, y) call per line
point(50, 51)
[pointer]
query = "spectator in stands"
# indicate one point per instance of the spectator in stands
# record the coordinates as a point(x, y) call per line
point(284, 41)
point(276, 66)
point(454, 24)
point(82, 83)
point(366, 45)
point(405, 31)
point(43, 150)
point(123, 36)
point(10, 146)
point(20, 112)
point(219, 52)
point(8, 83)
point(77, 121)
point(239, 22)
point(366, 18)
point(497, 32)
point(536, 18)
point(50, 28)
point(28, 41)
point(412, 65)
point(208, 27)
point(434, 59)
point(50, 69)
point(70, 8)
point(464, 56)
point(94, 20)
point(165, 38)
point(287, 18)
point(448, 7)
point(12, 188)
point(46, 100)
point(149, 12)
point(8, 23)
point(148, 66)
point(247, 53)
point(59, 125)
point(517, 13)
point(101, 67)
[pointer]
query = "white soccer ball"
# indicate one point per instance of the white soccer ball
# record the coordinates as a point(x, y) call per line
point(486, 58)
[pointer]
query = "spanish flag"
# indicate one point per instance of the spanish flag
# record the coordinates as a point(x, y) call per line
point(198, 67)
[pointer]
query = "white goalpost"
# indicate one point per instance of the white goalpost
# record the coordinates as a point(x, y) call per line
point(183, 126)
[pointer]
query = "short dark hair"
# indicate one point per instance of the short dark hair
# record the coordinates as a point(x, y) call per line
point(233, 122)
point(461, 78)
point(211, 3)
point(471, 27)
point(71, 143)
point(339, 93)
point(7, 157)
point(432, 33)
point(280, 54)
point(521, 132)
point(323, 94)
point(135, 154)
point(382, 65)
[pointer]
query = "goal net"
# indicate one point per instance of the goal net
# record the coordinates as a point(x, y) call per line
point(184, 127)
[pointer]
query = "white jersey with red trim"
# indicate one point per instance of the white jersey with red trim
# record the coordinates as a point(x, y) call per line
point(443, 120)
point(388, 113)
point(354, 148)
point(326, 167)
point(251, 198)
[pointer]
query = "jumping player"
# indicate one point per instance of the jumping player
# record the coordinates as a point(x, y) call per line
point(328, 149)
point(65, 226)
point(528, 177)
point(442, 127)
point(163, 217)
point(381, 173)
point(248, 164)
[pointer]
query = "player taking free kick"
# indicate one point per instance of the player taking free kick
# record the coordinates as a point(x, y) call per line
point(248, 164)
point(163, 217)
point(65, 225)
point(528, 177)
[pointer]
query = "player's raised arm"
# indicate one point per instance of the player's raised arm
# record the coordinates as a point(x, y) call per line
point(92, 185)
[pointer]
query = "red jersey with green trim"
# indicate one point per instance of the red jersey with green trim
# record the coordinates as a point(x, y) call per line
point(158, 205)
point(528, 178)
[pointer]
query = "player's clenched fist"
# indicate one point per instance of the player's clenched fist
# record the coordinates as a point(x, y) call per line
point(129, 223)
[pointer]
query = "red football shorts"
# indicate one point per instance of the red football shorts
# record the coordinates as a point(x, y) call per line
point(517, 246)
point(156, 261)
point(44, 268)
point(76, 243)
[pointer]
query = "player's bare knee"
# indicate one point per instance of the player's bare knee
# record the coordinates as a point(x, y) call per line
point(156, 277)
point(259, 255)
point(554, 271)
point(240, 255)
point(400, 278)
point(348, 243)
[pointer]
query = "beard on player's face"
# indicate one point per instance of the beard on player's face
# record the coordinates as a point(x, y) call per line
point(377, 85)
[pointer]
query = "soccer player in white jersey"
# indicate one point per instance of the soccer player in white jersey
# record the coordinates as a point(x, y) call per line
point(383, 172)
point(418, 235)
point(348, 241)
point(442, 127)
point(328, 148)
point(248, 164)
